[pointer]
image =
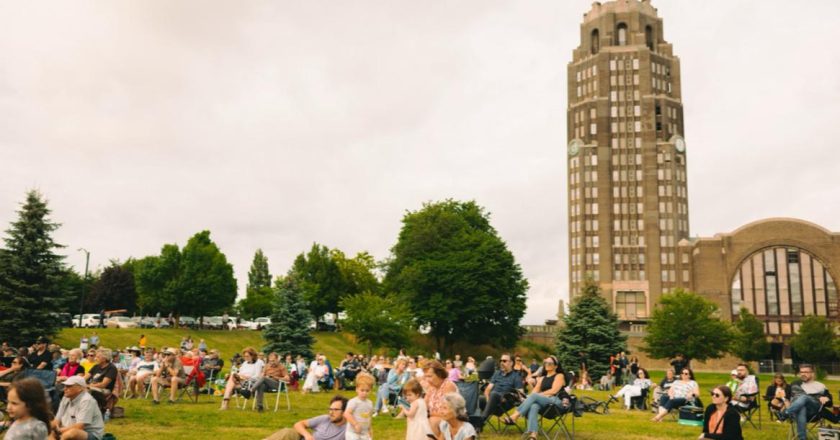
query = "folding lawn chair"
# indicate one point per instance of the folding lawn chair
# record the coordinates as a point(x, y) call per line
point(553, 417)
point(281, 388)
point(469, 391)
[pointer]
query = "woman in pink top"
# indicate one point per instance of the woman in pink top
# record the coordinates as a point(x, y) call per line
point(437, 386)
point(454, 373)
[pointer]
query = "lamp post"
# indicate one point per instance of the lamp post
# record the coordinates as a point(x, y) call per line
point(84, 284)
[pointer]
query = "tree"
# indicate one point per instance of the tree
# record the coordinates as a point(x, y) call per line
point(749, 342)
point(457, 275)
point(590, 333)
point(114, 289)
point(319, 279)
point(258, 295)
point(688, 324)
point(815, 340)
point(196, 281)
point(289, 329)
point(32, 275)
point(377, 321)
point(357, 273)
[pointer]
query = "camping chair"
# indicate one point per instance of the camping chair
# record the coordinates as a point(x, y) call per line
point(554, 416)
point(46, 377)
point(281, 388)
point(508, 402)
point(594, 406)
point(819, 422)
point(748, 412)
point(469, 391)
point(192, 385)
point(641, 402)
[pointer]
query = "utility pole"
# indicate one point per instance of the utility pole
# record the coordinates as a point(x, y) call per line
point(84, 285)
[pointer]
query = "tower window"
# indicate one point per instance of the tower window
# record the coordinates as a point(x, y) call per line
point(594, 44)
point(649, 37)
point(621, 34)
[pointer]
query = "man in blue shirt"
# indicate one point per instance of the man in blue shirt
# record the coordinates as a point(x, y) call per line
point(504, 381)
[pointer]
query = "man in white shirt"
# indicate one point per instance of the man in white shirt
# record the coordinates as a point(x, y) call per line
point(78, 416)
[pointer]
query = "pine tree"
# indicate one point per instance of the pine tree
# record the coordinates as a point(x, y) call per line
point(289, 331)
point(259, 276)
point(590, 333)
point(31, 275)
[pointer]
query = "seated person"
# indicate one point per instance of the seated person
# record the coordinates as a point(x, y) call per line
point(663, 386)
point(78, 416)
point(747, 391)
point(682, 391)
point(11, 374)
point(102, 378)
point(40, 358)
point(332, 426)
point(318, 371)
point(273, 373)
point(212, 365)
point(503, 381)
point(170, 375)
point(607, 382)
point(142, 373)
point(455, 425)
point(807, 398)
point(250, 370)
point(777, 393)
point(641, 383)
point(348, 370)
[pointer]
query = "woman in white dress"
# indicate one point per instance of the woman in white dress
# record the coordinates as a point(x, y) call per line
point(317, 371)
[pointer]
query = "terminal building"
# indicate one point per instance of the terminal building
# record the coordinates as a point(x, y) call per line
point(628, 194)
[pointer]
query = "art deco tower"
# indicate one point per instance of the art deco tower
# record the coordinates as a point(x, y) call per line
point(628, 205)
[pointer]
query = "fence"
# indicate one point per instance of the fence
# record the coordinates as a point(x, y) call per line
point(771, 366)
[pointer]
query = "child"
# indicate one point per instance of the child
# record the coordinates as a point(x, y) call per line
point(27, 405)
point(359, 410)
point(417, 415)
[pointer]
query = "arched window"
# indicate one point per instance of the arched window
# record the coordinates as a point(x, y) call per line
point(649, 37)
point(783, 284)
point(621, 34)
point(595, 42)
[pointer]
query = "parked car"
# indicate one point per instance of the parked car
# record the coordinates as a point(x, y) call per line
point(260, 323)
point(150, 322)
point(120, 322)
point(187, 321)
point(89, 320)
point(243, 324)
point(213, 322)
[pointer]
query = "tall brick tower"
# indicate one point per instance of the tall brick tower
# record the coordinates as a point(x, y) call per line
point(628, 199)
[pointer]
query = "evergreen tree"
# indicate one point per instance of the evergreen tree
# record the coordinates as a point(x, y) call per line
point(590, 333)
point(289, 329)
point(31, 275)
point(749, 344)
point(259, 276)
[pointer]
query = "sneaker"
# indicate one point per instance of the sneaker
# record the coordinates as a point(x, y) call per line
point(386, 410)
point(375, 414)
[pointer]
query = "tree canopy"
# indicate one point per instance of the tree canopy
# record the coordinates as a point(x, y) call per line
point(32, 275)
point(749, 342)
point(687, 324)
point(815, 341)
point(589, 333)
point(113, 289)
point(259, 295)
point(289, 331)
point(457, 275)
point(377, 321)
point(195, 281)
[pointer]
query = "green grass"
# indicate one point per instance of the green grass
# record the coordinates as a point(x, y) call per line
point(204, 420)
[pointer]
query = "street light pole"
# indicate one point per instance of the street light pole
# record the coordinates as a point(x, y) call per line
point(84, 284)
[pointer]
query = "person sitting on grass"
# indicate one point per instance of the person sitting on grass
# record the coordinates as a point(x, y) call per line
point(641, 383)
point(144, 371)
point(78, 416)
point(682, 392)
point(721, 420)
point(543, 394)
point(331, 426)
point(170, 375)
point(454, 424)
point(250, 369)
point(28, 407)
point(607, 382)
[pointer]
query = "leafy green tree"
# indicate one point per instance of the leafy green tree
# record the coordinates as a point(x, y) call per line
point(195, 281)
point(319, 279)
point(689, 324)
point(32, 275)
point(259, 276)
point(357, 273)
point(457, 275)
point(114, 289)
point(749, 342)
point(289, 329)
point(377, 321)
point(815, 341)
point(589, 333)
point(259, 294)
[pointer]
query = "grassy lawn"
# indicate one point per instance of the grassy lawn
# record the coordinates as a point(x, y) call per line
point(203, 420)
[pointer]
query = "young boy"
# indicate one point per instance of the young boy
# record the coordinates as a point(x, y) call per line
point(359, 410)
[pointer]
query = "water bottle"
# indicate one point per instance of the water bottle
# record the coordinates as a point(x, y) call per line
point(107, 415)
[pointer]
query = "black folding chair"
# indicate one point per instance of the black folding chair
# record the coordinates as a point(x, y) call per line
point(822, 419)
point(497, 418)
point(470, 392)
point(553, 417)
point(749, 411)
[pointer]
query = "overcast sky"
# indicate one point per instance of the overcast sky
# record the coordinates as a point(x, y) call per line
point(279, 124)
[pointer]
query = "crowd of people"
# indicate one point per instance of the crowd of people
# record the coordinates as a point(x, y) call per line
point(88, 381)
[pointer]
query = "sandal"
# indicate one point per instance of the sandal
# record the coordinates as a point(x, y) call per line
point(508, 421)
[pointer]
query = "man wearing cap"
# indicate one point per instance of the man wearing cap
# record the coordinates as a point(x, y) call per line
point(78, 416)
point(171, 374)
point(40, 358)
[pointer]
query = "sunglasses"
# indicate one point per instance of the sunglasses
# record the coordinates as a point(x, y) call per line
point(548, 363)
point(714, 394)
point(686, 373)
point(505, 360)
